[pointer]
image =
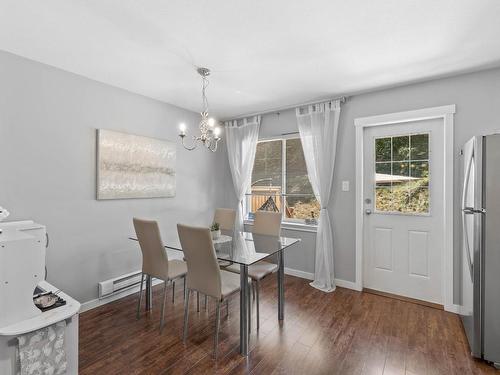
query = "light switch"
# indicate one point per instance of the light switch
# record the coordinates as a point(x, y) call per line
point(345, 185)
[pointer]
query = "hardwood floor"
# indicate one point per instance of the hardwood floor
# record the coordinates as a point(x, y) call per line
point(344, 332)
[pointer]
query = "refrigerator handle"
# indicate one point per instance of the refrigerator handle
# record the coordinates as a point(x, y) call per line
point(467, 210)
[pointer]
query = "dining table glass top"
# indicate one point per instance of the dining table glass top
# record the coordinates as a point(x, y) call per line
point(244, 248)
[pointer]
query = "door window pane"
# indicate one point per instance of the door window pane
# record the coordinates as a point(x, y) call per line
point(402, 181)
point(401, 148)
point(419, 147)
point(383, 149)
point(383, 198)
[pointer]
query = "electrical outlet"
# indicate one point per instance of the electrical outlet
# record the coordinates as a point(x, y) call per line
point(345, 185)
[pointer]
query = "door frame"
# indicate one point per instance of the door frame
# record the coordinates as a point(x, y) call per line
point(443, 112)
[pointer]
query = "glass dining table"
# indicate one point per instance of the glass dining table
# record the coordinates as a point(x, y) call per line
point(244, 249)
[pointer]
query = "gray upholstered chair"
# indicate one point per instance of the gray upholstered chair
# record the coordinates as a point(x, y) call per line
point(225, 217)
point(265, 223)
point(204, 274)
point(155, 261)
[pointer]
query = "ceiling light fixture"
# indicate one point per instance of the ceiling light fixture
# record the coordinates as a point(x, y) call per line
point(209, 132)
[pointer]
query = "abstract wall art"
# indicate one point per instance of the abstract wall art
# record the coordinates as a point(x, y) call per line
point(132, 166)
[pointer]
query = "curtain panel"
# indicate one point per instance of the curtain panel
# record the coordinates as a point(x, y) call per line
point(241, 140)
point(318, 127)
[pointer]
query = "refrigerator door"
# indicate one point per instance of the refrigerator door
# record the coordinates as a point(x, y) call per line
point(471, 204)
point(491, 253)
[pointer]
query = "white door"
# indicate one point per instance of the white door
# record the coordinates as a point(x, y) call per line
point(403, 203)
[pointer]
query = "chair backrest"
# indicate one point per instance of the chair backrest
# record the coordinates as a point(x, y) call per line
point(154, 255)
point(203, 269)
point(226, 218)
point(267, 222)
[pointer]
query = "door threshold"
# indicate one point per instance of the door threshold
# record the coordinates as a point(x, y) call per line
point(405, 299)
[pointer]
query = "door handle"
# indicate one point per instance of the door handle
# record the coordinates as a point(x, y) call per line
point(368, 211)
point(472, 211)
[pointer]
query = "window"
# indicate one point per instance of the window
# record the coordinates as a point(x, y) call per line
point(402, 174)
point(280, 182)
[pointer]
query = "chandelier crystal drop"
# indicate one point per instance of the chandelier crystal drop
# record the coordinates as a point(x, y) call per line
point(209, 132)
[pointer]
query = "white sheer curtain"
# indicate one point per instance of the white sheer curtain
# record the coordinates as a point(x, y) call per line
point(241, 141)
point(318, 126)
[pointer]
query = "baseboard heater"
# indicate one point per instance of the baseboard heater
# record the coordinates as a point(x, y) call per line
point(111, 287)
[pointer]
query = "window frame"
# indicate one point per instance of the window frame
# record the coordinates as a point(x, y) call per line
point(287, 223)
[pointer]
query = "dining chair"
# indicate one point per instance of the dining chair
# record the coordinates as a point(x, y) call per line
point(204, 274)
point(155, 261)
point(265, 223)
point(225, 217)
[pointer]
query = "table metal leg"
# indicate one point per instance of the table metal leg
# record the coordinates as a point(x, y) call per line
point(244, 300)
point(149, 293)
point(281, 286)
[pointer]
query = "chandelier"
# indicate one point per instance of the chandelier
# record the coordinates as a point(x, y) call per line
point(209, 133)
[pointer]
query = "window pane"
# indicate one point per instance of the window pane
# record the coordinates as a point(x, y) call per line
point(383, 149)
point(383, 168)
point(401, 183)
point(418, 201)
point(266, 178)
point(400, 196)
point(401, 148)
point(300, 200)
point(383, 198)
point(419, 147)
point(267, 167)
point(400, 171)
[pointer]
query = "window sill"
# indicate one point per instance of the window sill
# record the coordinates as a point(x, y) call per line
point(299, 227)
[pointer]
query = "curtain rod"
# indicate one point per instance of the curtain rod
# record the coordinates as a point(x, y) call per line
point(342, 99)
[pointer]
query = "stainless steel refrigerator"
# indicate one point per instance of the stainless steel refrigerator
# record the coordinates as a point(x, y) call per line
point(480, 271)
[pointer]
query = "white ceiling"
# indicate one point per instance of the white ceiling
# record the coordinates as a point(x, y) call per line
point(264, 54)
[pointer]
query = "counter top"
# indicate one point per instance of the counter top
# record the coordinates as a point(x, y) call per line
point(46, 318)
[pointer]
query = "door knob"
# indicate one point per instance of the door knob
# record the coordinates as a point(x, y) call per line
point(368, 211)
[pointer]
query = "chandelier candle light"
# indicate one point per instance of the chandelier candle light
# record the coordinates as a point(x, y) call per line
point(209, 133)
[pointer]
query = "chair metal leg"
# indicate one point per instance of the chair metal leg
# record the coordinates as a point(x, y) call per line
point(198, 301)
point(186, 312)
point(250, 311)
point(184, 287)
point(244, 293)
point(253, 290)
point(206, 303)
point(257, 287)
point(227, 306)
point(217, 326)
point(138, 315)
point(173, 291)
point(162, 320)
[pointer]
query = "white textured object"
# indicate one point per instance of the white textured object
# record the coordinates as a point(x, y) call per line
point(68, 312)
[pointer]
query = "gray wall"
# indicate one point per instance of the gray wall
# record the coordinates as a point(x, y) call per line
point(477, 97)
point(48, 119)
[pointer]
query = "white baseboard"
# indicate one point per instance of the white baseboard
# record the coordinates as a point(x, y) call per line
point(92, 304)
point(298, 273)
point(310, 276)
point(452, 308)
point(347, 284)
point(89, 305)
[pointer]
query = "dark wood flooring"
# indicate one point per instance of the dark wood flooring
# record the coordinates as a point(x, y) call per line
point(344, 332)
